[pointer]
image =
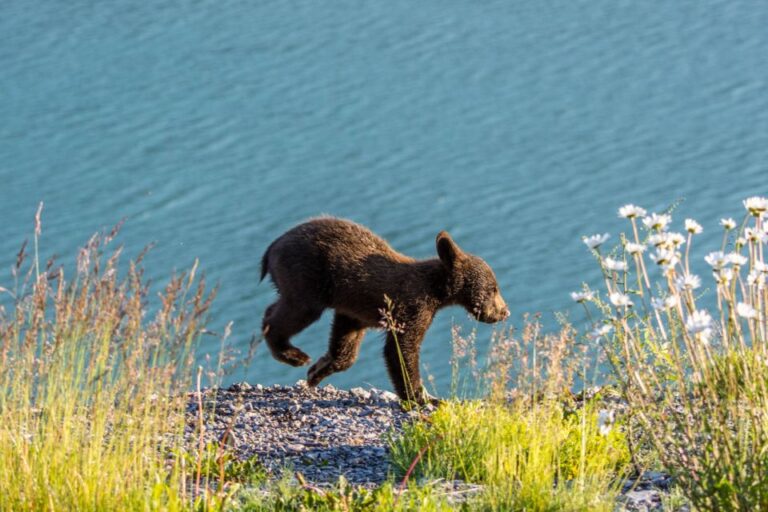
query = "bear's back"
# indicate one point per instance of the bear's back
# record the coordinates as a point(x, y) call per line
point(341, 240)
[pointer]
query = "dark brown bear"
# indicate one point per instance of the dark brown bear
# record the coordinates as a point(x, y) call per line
point(334, 263)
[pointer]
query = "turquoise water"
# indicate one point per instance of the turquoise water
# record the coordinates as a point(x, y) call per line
point(213, 126)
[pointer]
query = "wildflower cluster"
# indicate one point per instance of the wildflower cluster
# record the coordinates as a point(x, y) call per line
point(738, 298)
point(694, 376)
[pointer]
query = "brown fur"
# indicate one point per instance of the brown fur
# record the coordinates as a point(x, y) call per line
point(334, 263)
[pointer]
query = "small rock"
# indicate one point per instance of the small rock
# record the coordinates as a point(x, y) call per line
point(388, 396)
point(643, 501)
point(360, 393)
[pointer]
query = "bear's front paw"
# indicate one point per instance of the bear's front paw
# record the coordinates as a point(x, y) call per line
point(318, 371)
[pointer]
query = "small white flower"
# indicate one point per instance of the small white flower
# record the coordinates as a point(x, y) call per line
point(716, 259)
point(631, 211)
point(662, 304)
point(700, 323)
point(756, 278)
point(675, 239)
point(753, 235)
point(600, 330)
point(657, 240)
point(666, 240)
point(616, 266)
point(595, 241)
point(744, 310)
point(741, 242)
point(633, 248)
point(582, 296)
point(657, 221)
point(666, 258)
point(688, 281)
point(728, 223)
point(756, 206)
point(619, 299)
point(760, 266)
point(693, 227)
point(723, 276)
point(736, 259)
point(605, 419)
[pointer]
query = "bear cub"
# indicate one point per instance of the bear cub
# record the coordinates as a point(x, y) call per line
point(334, 263)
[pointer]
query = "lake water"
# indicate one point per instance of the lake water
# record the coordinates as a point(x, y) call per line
point(213, 126)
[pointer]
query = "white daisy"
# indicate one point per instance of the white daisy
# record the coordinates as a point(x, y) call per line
point(616, 266)
point(700, 323)
point(723, 276)
point(757, 279)
point(728, 223)
point(605, 419)
point(666, 258)
point(736, 259)
point(666, 240)
point(756, 206)
point(716, 259)
point(753, 235)
point(657, 221)
point(600, 330)
point(633, 248)
point(595, 241)
point(675, 239)
point(761, 267)
point(693, 227)
point(661, 304)
point(619, 299)
point(657, 240)
point(688, 282)
point(744, 310)
point(631, 211)
point(582, 296)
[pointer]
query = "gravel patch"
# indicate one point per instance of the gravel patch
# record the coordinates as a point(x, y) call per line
point(325, 433)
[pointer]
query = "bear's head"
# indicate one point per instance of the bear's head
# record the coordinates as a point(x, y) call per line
point(471, 282)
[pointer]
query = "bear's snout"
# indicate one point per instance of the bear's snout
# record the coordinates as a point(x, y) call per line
point(497, 311)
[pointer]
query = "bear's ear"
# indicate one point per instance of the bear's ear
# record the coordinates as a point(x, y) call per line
point(447, 249)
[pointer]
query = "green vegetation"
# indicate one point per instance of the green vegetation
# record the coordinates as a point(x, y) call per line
point(91, 394)
point(536, 449)
point(528, 457)
point(286, 495)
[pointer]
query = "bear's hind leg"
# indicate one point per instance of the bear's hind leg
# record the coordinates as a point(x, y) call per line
point(281, 321)
point(346, 336)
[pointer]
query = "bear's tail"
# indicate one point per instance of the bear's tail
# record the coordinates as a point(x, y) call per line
point(264, 264)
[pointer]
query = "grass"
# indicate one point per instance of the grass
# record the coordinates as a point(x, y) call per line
point(535, 449)
point(91, 391)
point(529, 458)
